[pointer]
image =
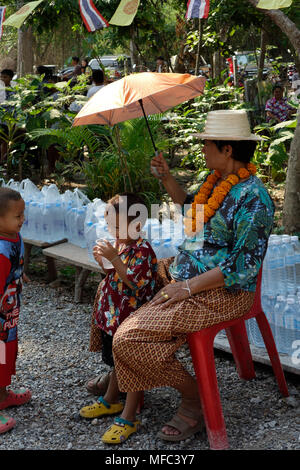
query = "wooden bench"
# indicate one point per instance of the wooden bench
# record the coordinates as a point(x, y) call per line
point(74, 255)
point(29, 243)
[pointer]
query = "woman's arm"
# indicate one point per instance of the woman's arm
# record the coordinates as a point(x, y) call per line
point(162, 171)
point(174, 292)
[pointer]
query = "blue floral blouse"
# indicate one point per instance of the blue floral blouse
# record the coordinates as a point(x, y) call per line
point(235, 238)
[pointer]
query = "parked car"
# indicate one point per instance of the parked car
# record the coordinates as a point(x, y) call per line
point(117, 65)
point(65, 70)
point(246, 64)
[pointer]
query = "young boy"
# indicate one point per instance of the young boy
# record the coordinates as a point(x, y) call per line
point(128, 285)
point(11, 271)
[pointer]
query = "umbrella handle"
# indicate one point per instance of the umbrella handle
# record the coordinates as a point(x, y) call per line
point(153, 143)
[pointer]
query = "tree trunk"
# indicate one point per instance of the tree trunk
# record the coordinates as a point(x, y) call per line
point(25, 51)
point(134, 55)
point(261, 61)
point(291, 207)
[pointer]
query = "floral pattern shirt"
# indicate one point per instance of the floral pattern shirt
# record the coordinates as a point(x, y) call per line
point(235, 238)
point(117, 301)
point(280, 108)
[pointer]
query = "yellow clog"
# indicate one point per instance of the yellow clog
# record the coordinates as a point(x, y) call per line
point(101, 408)
point(120, 431)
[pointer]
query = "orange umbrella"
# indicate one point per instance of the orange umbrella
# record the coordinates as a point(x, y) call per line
point(137, 95)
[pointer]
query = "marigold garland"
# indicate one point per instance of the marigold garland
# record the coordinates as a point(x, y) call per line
point(212, 202)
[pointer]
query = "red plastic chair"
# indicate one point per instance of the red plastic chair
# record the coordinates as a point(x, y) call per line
point(202, 352)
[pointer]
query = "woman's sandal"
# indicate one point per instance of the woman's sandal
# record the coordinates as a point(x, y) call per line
point(6, 423)
point(98, 385)
point(16, 398)
point(101, 408)
point(118, 432)
point(184, 428)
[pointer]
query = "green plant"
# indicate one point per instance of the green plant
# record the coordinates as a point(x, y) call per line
point(272, 152)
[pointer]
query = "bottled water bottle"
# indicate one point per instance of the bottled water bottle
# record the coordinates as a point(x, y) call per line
point(47, 224)
point(152, 229)
point(25, 227)
point(254, 333)
point(277, 268)
point(156, 244)
point(267, 284)
point(79, 227)
point(291, 322)
point(91, 237)
point(58, 221)
point(72, 232)
point(288, 249)
point(296, 244)
point(279, 322)
point(268, 305)
point(38, 221)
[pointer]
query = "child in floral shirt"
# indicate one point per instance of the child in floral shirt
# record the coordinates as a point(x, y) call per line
point(128, 285)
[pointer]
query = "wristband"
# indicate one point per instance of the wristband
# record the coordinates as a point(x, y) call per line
point(114, 258)
point(187, 288)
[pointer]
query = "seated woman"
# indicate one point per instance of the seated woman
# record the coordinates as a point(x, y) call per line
point(204, 285)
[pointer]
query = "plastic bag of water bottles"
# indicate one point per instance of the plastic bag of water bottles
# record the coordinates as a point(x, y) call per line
point(94, 225)
point(32, 196)
point(76, 205)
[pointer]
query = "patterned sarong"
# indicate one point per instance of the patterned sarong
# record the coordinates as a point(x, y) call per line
point(145, 343)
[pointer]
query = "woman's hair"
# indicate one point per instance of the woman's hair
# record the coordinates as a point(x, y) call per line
point(132, 199)
point(242, 150)
point(7, 195)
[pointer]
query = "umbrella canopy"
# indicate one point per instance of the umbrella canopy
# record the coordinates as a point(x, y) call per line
point(128, 97)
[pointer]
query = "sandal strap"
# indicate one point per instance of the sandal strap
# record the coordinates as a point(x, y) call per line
point(179, 424)
point(123, 421)
point(105, 403)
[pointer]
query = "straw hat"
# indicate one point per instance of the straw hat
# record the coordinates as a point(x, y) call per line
point(227, 125)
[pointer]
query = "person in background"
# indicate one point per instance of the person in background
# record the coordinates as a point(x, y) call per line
point(161, 66)
point(98, 82)
point(11, 273)
point(277, 108)
point(75, 72)
point(86, 69)
point(6, 77)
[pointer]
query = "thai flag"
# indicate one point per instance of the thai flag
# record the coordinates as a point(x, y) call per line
point(197, 9)
point(2, 16)
point(91, 16)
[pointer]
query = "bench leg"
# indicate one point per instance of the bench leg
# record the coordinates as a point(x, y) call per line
point(27, 253)
point(52, 272)
point(80, 278)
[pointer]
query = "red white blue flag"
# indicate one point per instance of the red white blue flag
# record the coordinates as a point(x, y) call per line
point(2, 17)
point(91, 16)
point(197, 9)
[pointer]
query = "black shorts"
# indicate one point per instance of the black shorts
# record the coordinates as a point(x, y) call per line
point(107, 355)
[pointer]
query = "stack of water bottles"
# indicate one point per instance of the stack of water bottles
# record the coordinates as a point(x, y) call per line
point(165, 236)
point(280, 294)
point(51, 216)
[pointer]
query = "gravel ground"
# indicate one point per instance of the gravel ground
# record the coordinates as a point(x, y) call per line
point(54, 362)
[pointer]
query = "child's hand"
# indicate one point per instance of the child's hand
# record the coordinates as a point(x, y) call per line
point(26, 278)
point(97, 256)
point(104, 248)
